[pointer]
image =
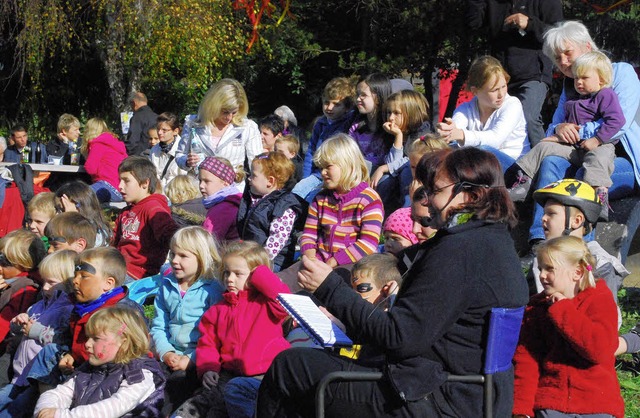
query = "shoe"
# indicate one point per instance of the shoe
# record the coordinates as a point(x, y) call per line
point(603, 194)
point(518, 192)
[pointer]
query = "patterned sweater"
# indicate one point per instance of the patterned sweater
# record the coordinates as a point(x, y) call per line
point(344, 226)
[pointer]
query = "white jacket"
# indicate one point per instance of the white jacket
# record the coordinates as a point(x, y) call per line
point(160, 160)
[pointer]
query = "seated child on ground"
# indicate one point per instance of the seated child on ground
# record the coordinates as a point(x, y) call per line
point(398, 231)
point(290, 147)
point(118, 380)
point(40, 211)
point(184, 296)
point(70, 231)
point(271, 128)
point(186, 201)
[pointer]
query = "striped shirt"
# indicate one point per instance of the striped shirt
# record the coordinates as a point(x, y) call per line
point(344, 226)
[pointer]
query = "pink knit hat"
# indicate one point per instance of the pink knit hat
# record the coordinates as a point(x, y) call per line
point(218, 169)
point(400, 223)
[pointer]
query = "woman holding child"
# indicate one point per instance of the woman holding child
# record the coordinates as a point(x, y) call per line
point(441, 313)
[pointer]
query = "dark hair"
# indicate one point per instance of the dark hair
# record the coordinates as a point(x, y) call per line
point(18, 128)
point(478, 173)
point(142, 169)
point(380, 86)
point(87, 204)
point(168, 118)
point(428, 165)
point(273, 122)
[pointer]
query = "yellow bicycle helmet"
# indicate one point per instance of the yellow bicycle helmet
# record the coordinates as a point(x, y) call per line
point(571, 192)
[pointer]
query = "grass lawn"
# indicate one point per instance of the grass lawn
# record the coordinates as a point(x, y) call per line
point(629, 380)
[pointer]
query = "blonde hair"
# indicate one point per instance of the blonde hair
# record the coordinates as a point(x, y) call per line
point(226, 94)
point(92, 129)
point(341, 150)
point(59, 265)
point(44, 202)
point(483, 69)
point(203, 245)
point(66, 121)
point(111, 262)
point(594, 61)
point(427, 144)
point(293, 145)
point(276, 165)
point(569, 251)
point(413, 106)
point(379, 268)
point(23, 249)
point(181, 189)
point(125, 323)
point(252, 252)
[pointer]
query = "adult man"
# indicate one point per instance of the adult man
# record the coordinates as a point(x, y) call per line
point(143, 118)
point(22, 150)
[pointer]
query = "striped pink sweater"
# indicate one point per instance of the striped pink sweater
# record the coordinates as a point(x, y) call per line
point(344, 226)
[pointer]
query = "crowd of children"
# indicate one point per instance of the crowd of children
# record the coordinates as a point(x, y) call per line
point(218, 249)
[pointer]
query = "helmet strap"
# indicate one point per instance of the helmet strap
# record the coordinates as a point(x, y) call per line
point(567, 222)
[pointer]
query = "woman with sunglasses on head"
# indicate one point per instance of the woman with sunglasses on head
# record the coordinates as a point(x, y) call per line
point(439, 321)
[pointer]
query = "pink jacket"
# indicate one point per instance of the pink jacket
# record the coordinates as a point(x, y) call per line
point(243, 333)
point(105, 153)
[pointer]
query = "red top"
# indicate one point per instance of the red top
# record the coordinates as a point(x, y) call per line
point(14, 300)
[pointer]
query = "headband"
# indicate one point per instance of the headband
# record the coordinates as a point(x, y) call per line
point(218, 169)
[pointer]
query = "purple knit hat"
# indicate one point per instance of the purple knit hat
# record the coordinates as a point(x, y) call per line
point(218, 169)
point(400, 222)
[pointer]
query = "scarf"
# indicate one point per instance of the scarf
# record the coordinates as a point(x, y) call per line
point(165, 148)
point(84, 308)
point(219, 196)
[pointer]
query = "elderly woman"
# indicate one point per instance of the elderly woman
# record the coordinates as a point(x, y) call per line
point(440, 316)
point(563, 44)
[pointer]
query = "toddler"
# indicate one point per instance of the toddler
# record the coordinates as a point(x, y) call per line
point(290, 147)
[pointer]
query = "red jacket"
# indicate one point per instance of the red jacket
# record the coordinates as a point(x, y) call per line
point(105, 153)
point(142, 234)
point(243, 333)
point(14, 300)
point(565, 357)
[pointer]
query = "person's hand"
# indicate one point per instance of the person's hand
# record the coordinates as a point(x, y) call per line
point(20, 319)
point(450, 132)
point(377, 175)
point(192, 159)
point(310, 254)
point(3, 283)
point(394, 130)
point(27, 327)
point(332, 262)
point(210, 379)
point(312, 273)
point(590, 144)
point(568, 132)
point(67, 204)
point(66, 364)
point(182, 364)
point(518, 21)
point(551, 138)
point(171, 359)
point(47, 413)
point(555, 297)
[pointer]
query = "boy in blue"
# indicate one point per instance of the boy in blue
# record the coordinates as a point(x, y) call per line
point(337, 106)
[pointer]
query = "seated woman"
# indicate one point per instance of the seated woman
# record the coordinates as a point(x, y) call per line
point(440, 317)
point(492, 120)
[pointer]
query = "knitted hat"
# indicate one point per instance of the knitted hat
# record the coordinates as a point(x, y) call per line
point(218, 169)
point(400, 223)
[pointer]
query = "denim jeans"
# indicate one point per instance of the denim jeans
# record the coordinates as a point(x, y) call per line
point(532, 95)
point(504, 160)
point(241, 397)
point(394, 189)
point(18, 401)
point(308, 188)
point(106, 192)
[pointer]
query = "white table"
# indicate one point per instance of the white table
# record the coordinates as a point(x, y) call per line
point(51, 168)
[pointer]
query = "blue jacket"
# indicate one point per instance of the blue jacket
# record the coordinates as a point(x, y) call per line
point(322, 130)
point(175, 326)
point(37, 154)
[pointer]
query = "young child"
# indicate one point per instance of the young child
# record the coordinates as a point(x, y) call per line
point(221, 197)
point(593, 77)
point(20, 253)
point(45, 322)
point(241, 335)
point(184, 296)
point(118, 380)
point(163, 152)
point(338, 113)
point(565, 363)
point(70, 231)
point(186, 201)
point(376, 278)
point(40, 210)
point(66, 142)
point(427, 144)
point(104, 153)
point(145, 227)
point(154, 137)
point(290, 147)
point(268, 212)
point(398, 231)
point(271, 128)
point(77, 196)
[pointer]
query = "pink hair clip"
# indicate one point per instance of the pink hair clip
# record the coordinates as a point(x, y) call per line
point(589, 267)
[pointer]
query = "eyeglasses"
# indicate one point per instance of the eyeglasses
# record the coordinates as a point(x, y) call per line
point(429, 193)
point(4, 261)
point(424, 221)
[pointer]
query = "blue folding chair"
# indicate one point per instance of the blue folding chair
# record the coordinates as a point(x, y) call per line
point(502, 339)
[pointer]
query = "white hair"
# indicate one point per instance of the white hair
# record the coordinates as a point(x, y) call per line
point(563, 33)
point(286, 113)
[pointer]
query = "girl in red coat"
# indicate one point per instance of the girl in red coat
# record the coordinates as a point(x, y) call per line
point(564, 363)
point(240, 336)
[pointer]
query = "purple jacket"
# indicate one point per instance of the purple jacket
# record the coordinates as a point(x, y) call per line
point(601, 105)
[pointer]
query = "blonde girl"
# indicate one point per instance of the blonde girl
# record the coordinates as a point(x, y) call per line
point(184, 296)
point(118, 380)
point(220, 129)
point(565, 363)
point(492, 120)
point(346, 203)
point(240, 336)
point(221, 196)
point(426, 144)
point(268, 211)
point(186, 201)
point(104, 153)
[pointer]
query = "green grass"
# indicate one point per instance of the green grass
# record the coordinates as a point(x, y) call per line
point(629, 381)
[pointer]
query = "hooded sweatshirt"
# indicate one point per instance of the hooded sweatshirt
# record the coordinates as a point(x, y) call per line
point(105, 154)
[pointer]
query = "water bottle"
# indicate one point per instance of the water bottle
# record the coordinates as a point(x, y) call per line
point(25, 154)
point(196, 147)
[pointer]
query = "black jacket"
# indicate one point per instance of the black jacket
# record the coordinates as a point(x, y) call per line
point(138, 137)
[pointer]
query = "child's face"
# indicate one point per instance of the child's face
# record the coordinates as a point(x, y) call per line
point(558, 278)
point(153, 137)
point(90, 283)
point(7, 270)
point(268, 138)
point(258, 181)
point(283, 148)
point(365, 99)
point(59, 243)
point(553, 220)
point(131, 190)
point(48, 283)
point(331, 176)
point(394, 243)
point(73, 133)
point(365, 286)
point(184, 264)
point(334, 109)
point(396, 117)
point(588, 83)
point(103, 347)
point(165, 133)
point(236, 273)
point(414, 159)
point(492, 94)
point(39, 221)
point(210, 183)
